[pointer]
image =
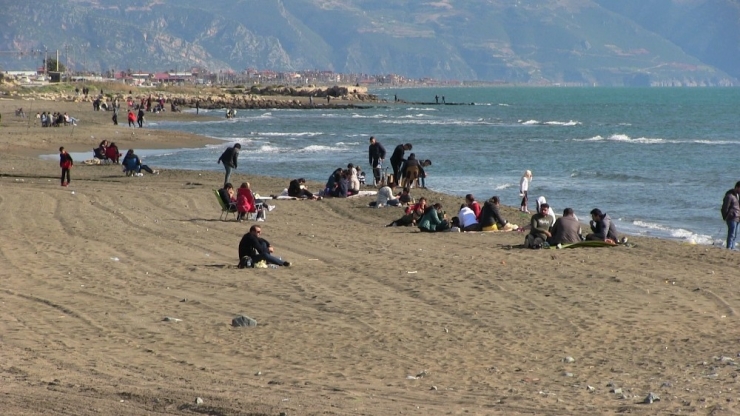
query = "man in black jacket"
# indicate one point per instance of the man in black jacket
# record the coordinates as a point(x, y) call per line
point(397, 160)
point(229, 157)
point(376, 154)
point(253, 249)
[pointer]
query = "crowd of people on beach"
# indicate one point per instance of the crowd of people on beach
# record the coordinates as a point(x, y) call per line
point(55, 119)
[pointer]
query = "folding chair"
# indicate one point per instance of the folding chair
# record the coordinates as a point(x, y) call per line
point(225, 211)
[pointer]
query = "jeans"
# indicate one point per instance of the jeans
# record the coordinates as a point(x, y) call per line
point(732, 228)
point(228, 174)
point(269, 258)
point(65, 173)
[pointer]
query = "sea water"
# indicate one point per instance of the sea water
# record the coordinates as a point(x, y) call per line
point(658, 161)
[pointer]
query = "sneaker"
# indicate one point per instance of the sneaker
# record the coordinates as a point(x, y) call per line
point(624, 240)
point(286, 264)
point(156, 172)
point(260, 220)
point(270, 208)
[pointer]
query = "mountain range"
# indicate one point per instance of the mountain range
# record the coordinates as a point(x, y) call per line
point(537, 42)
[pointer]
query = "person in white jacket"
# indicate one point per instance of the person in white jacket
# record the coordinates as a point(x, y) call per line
point(524, 190)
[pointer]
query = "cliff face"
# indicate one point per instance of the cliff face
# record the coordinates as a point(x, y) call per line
point(605, 42)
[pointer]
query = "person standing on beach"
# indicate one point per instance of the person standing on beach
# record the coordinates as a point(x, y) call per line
point(397, 160)
point(66, 163)
point(140, 118)
point(197, 106)
point(731, 214)
point(524, 190)
point(376, 154)
point(229, 158)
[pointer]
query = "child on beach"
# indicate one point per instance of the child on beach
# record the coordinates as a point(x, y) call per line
point(66, 163)
point(524, 189)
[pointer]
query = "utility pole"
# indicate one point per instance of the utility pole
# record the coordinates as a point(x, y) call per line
point(57, 60)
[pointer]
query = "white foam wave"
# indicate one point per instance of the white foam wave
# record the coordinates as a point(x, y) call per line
point(640, 140)
point(420, 109)
point(678, 233)
point(503, 105)
point(439, 122)
point(563, 123)
point(284, 134)
point(348, 144)
point(504, 186)
point(529, 122)
point(355, 115)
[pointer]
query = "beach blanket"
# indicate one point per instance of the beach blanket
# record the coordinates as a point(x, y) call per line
point(284, 195)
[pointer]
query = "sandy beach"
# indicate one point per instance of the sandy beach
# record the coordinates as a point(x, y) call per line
point(368, 320)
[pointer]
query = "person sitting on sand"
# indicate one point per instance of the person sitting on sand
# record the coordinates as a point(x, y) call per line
point(132, 164)
point(405, 197)
point(253, 249)
point(100, 151)
point(297, 189)
point(354, 181)
point(566, 230)
point(385, 197)
point(540, 225)
point(333, 182)
point(467, 220)
point(412, 214)
point(474, 205)
point(541, 200)
point(603, 227)
point(491, 219)
point(434, 220)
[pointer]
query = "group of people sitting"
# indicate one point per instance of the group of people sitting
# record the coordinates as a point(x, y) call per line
point(107, 152)
point(55, 119)
point(341, 184)
point(243, 202)
point(470, 217)
point(545, 231)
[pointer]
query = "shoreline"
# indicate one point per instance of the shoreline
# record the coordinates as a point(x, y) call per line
point(98, 126)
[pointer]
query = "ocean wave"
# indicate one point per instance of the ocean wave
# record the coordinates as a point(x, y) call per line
point(504, 186)
point(285, 134)
point(420, 109)
point(439, 122)
point(355, 115)
point(678, 233)
point(611, 176)
point(314, 148)
point(563, 123)
point(529, 122)
point(348, 144)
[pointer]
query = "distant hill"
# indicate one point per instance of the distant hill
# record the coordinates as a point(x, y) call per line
point(602, 42)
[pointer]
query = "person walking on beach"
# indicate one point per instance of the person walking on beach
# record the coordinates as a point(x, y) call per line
point(254, 249)
point(131, 119)
point(731, 214)
point(66, 163)
point(376, 154)
point(524, 190)
point(229, 158)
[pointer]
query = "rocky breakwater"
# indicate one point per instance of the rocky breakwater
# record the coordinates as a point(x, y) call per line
point(280, 97)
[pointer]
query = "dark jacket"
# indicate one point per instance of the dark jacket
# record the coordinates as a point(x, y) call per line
point(605, 228)
point(229, 157)
point(397, 156)
point(731, 205)
point(490, 215)
point(131, 162)
point(566, 230)
point(65, 160)
point(375, 152)
point(252, 246)
point(294, 189)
